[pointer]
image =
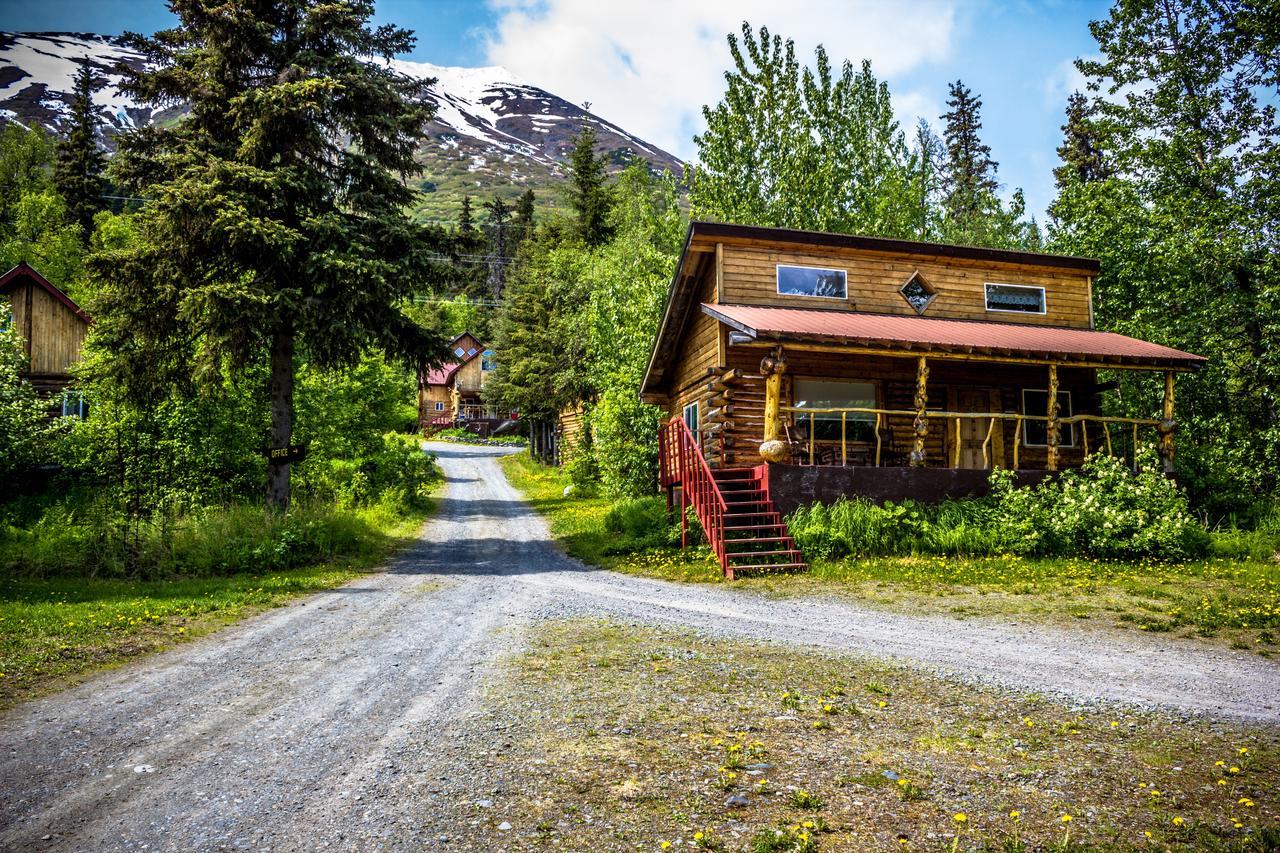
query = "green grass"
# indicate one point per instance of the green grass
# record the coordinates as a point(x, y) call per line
point(1232, 601)
point(577, 523)
point(56, 630)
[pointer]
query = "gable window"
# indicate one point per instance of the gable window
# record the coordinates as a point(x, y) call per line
point(439, 406)
point(74, 406)
point(1036, 402)
point(812, 281)
point(1018, 298)
point(826, 394)
point(459, 352)
point(691, 417)
point(918, 293)
point(488, 361)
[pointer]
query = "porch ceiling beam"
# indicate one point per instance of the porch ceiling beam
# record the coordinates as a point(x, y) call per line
point(901, 351)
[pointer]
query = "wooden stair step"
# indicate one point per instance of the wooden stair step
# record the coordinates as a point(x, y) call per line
point(770, 566)
point(790, 552)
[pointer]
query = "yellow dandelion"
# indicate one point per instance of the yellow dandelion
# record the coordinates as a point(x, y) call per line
point(697, 836)
point(961, 817)
point(1015, 814)
point(1178, 821)
point(1066, 818)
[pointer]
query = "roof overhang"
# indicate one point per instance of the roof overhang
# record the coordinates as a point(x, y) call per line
point(25, 272)
point(895, 334)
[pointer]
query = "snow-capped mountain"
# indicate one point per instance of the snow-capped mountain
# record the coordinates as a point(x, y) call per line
point(493, 132)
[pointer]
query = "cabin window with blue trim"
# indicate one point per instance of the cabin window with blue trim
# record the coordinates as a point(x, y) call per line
point(74, 406)
point(1017, 298)
point(488, 361)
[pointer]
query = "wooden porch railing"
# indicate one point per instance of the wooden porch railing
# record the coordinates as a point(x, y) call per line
point(863, 415)
point(680, 462)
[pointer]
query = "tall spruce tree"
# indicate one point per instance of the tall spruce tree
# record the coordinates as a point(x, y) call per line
point(588, 188)
point(79, 170)
point(969, 181)
point(1082, 159)
point(498, 219)
point(523, 223)
point(276, 225)
point(466, 218)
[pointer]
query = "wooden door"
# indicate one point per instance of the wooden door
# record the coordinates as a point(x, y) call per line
point(974, 431)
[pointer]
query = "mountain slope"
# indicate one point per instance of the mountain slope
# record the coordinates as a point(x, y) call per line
point(493, 132)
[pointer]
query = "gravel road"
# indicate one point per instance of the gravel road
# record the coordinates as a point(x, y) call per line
point(326, 723)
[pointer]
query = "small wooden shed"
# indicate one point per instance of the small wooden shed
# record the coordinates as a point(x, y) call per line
point(52, 325)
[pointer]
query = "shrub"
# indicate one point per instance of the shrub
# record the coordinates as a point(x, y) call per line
point(641, 523)
point(1101, 509)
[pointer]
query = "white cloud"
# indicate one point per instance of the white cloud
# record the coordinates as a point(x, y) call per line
point(1064, 80)
point(650, 66)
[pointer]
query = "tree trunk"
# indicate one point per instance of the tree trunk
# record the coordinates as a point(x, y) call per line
point(281, 386)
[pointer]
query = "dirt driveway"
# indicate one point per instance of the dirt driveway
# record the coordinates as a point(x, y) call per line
point(319, 724)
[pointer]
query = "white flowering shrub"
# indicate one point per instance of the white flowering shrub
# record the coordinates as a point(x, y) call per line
point(1102, 509)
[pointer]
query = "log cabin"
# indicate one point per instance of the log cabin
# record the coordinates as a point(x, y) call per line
point(450, 395)
point(799, 366)
point(53, 329)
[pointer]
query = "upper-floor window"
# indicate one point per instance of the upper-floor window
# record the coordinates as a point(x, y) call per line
point(812, 281)
point(690, 415)
point(1019, 298)
point(459, 352)
point(488, 361)
point(918, 292)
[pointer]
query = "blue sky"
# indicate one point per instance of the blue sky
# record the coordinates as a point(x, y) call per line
point(650, 66)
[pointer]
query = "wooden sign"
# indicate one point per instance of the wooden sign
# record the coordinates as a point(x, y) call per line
point(286, 455)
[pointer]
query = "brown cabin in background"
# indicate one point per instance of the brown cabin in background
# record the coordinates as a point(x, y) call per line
point(450, 395)
point(53, 328)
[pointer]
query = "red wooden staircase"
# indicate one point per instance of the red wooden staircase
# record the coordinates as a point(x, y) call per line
point(742, 527)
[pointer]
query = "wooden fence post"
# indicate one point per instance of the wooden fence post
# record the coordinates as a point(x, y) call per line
point(921, 424)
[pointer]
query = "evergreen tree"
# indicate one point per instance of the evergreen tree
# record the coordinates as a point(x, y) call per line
point(499, 216)
point(466, 219)
point(79, 169)
point(1081, 157)
point(524, 216)
point(588, 188)
point(276, 226)
point(969, 181)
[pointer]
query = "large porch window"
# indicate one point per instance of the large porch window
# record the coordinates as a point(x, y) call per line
point(830, 394)
point(1036, 402)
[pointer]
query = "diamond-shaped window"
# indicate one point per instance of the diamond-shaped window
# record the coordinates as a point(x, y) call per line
point(918, 292)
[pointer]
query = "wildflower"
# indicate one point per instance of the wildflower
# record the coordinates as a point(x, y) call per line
point(666, 845)
point(1178, 821)
point(1245, 801)
point(1219, 763)
point(1015, 814)
point(1233, 769)
point(697, 836)
point(961, 817)
point(1244, 750)
point(1066, 818)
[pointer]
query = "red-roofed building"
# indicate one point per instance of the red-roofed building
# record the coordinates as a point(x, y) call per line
point(798, 366)
point(450, 395)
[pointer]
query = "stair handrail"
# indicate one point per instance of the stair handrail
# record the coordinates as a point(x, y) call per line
point(681, 461)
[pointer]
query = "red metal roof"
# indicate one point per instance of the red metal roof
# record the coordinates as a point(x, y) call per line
point(897, 332)
point(442, 374)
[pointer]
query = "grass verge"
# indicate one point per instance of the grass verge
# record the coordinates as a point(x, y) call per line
point(635, 738)
point(55, 631)
point(1229, 601)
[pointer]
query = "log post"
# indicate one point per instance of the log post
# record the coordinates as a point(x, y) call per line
point(1167, 424)
point(772, 447)
point(922, 418)
point(1051, 425)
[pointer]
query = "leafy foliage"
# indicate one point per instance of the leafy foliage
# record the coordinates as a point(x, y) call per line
point(1182, 212)
point(25, 432)
point(1101, 510)
point(820, 149)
